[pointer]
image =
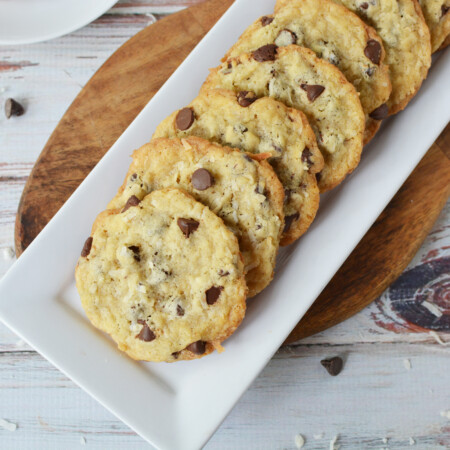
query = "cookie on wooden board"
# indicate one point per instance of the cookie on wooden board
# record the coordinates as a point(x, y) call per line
point(297, 77)
point(406, 39)
point(437, 17)
point(262, 127)
point(163, 277)
point(245, 193)
point(334, 33)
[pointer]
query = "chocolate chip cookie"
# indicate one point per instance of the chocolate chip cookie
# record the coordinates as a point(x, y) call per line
point(406, 39)
point(437, 17)
point(297, 77)
point(334, 33)
point(267, 129)
point(245, 193)
point(163, 277)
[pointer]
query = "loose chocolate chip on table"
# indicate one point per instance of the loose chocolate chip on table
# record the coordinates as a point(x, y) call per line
point(289, 220)
point(180, 311)
point(198, 347)
point(132, 201)
point(373, 51)
point(145, 334)
point(285, 37)
point(444, 10)
point(306, 157)
point(246, 98)
point(266, 21)
point(187, 226)
point(380, 113)
point(212, 294)
point(185, 118)
point(265, 53)
point(202, 179)
point(312, 90)
point(135, 249)
point(13, 108)
point(87, 247)
point(333, 365)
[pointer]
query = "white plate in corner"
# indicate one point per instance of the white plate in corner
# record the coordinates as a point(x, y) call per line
point(30, 21)
point(38, 299)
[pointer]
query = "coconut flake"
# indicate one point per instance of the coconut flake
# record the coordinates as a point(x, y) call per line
point(8, 426)
point(411, 441)
point(432, 308)
point(82, 440)
point(333, 445)
point(384, 440)
point(437, 338)
point(318, 436)
point(8, 254)
point(446, 414)
point(299, 441)
point(407, 364)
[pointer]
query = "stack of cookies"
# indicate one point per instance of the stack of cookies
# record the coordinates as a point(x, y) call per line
point(195, 228)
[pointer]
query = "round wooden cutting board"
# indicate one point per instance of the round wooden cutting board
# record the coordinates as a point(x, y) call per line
point(122, 87)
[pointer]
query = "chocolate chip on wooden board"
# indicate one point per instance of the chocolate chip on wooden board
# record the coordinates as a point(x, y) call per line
point(265, 53)
point(13, 108)
point(185, 119)
point(202, 179)
point(333, 365)
point(187, 226)
point(312, 90)
point(373, 51)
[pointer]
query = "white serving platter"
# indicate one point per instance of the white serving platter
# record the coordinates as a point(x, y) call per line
point(30, 21)
point(180, 405)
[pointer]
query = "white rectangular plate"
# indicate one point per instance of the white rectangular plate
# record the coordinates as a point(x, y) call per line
point(180, 405)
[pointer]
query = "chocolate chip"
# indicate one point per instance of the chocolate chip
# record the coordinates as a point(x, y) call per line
point(364, 5)
point(289, 220)
point(187, 226)
point(246, 98)
point(333, 365)
point(265, 53)
point(135, 249)
point(202, 179)
point(176, 354)
point(180, 311)
point(198, 347)
point(285, 37)
point(287, 195)
point(133, 177)
point(13, 108)
point(212, 294)
point(373, 51)
point(185, 118)
point(306, 157)
point(87, 247)
point(444, 9)
point(145, 334)
point(248, 158)
point(266, 21)
point(132, 201)
point(312, 90)
point(380, 113)
point(370, 71)
point(222, 273)
point(318, 176)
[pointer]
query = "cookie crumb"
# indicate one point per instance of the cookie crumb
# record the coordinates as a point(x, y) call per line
point(446, 414)
point(333, 445)
point(318, 436)
point(432, 308)
point(8, 426)
point(82, 440)
point(437, 338)
point(407, 364)
point(299, 441)
point(8, 254)
point(411, 441)
point(384, 440)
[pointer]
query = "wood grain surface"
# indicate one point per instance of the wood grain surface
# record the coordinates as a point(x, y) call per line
point(122, 87)
point(376, 402)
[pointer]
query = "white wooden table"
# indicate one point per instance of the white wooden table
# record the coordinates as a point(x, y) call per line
point(395, 387)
